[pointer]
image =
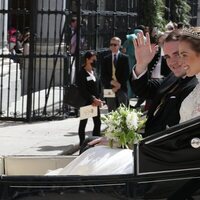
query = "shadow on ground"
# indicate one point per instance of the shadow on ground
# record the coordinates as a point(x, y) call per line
point(65, 150)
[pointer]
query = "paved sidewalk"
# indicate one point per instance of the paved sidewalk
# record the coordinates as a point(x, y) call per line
point(42, 138)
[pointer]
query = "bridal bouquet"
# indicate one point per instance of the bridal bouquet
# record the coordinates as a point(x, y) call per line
point(124, 126)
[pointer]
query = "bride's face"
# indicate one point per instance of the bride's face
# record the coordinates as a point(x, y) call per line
point(190, 59)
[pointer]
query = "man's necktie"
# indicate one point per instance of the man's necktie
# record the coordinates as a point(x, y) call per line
point(114, 67)
point(115, 60)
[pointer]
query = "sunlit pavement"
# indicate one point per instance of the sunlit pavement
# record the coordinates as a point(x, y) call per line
point(58, 137)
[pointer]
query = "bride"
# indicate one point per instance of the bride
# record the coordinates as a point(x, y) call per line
point(102, 160)
point(189, 50)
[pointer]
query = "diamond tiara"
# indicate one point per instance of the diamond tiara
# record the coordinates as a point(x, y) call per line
point(191, 32)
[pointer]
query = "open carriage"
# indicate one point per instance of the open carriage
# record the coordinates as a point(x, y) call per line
point(166, 166)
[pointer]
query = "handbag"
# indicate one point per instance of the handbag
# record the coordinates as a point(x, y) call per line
point(73, 96)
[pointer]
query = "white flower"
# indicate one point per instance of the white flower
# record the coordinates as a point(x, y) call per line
point(132, 120)
point(123, 126)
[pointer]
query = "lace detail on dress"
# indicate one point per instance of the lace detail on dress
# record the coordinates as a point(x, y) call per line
point(190, 107)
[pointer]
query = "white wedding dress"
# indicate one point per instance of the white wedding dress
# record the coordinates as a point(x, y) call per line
point(190, 107)
point(99, 160)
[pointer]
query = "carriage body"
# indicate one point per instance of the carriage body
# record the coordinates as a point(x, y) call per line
point(167, 166)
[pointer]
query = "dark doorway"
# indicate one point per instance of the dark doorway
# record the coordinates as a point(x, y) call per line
point(19, 16)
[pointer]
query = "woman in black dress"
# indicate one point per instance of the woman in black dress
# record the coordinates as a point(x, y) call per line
point(89, 87)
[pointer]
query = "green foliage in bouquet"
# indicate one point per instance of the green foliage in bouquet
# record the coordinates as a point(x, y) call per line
point(124, 126)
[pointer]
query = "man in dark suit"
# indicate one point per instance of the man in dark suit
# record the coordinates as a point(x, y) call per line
point(115, 74)
point(167, 94)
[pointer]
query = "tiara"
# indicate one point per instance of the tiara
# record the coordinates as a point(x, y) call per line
point(191, 33)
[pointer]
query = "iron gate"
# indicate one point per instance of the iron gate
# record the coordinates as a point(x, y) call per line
point(33, 76)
